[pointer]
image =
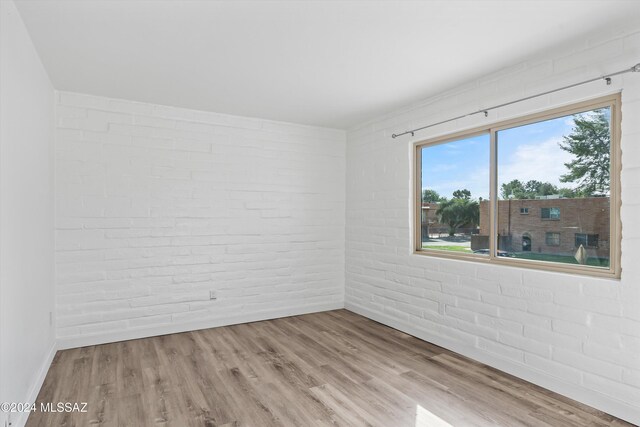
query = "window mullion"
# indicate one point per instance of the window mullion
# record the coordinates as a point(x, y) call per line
point(493, 194)
point(418, 199)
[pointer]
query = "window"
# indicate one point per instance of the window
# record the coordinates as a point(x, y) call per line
point(552, 239)
point(450, 213)
point(475, 191)
point(586, 240)
point(550, 213)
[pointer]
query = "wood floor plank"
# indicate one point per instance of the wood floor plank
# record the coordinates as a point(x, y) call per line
point(103, 368)
point(344, 407)
point(102, 411)
point(324, 369)
point(254, 408)
point(359, 395)
point(132, 413)
point(507, 387)
point(129, 369)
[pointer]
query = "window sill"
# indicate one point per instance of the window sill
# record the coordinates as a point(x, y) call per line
point(573, 269)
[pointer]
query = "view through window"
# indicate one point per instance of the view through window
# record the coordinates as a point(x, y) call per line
point(560, 170)
point(553, 191)
point(455, 182)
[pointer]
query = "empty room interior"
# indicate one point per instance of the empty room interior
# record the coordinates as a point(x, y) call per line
point(313, 213)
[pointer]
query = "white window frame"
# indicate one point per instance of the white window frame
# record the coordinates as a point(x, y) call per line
point(611, 101)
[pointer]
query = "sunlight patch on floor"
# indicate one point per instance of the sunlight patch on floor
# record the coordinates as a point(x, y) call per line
point(425, 418)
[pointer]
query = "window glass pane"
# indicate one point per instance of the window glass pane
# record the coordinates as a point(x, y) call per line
point(586, 240)
point(550, 213)
point(559, 171)
point(455, 188)
point(553, 239)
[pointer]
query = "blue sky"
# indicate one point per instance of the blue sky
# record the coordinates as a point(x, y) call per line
point(525, 153)
point(456, 165)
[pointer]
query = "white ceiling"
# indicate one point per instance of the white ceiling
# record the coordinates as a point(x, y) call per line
point(327, 63)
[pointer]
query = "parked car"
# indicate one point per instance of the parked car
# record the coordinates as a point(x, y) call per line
point(500, 253)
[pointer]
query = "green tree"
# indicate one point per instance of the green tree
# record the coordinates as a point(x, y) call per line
point(458, 212)
point(532, 189)
point(513, 189)
point(590, 143)
point(529, 190)
point(537, 188)
point(569, 193)
point(431, 196)
point(462, 194)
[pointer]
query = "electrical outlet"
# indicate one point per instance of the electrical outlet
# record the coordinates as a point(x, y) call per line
point(213, 295)
point(50, 318)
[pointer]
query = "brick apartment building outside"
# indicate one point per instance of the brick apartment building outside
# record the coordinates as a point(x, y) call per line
point(556, 226)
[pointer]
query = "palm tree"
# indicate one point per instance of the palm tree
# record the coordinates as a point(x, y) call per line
point(458, 212)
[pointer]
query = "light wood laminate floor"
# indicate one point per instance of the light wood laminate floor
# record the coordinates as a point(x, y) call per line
point(331, 368)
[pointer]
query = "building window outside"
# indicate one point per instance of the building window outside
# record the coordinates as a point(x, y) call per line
point(563, 163)
point(552, 239)
point(550, 213)
point(586, 240)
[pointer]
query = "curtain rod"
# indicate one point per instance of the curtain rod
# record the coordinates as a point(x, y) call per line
point(606, 78)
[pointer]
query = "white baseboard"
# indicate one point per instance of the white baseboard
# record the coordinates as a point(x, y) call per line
point(588, 397)
point(22, 417)
point(130, 334)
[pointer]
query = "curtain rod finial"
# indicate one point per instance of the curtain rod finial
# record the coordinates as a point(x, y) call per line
point(636, 68)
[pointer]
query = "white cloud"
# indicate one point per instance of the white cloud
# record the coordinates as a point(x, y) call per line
point(540, 161)
point(476, 181)
point(442, 167)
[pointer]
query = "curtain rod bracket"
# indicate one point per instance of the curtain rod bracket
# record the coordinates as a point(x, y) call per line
point(608, 80)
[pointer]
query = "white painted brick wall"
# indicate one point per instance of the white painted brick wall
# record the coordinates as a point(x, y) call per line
point(155, 206)
point(577, 335)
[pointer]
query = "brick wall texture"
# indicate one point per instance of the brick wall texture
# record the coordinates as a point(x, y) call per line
point(582, 215)
point(156, 206)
